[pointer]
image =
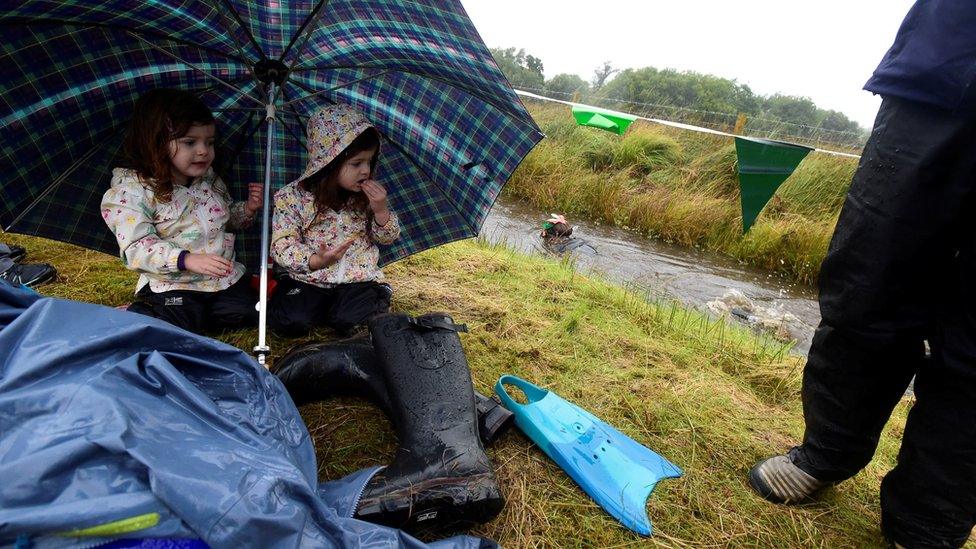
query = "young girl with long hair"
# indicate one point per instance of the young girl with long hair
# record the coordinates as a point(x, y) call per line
point(173, 217)
point(326, 230)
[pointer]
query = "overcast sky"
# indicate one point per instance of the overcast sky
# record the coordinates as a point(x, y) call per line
point(823, 50)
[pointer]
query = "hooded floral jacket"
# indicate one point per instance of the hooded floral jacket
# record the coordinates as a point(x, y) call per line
point(296, 234)
point(152, 234)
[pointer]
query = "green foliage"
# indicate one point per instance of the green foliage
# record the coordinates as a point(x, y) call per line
point(838, 122)
point(563, 86)
point(521, 69)
point(689, 97)
point(682, 89)
point(798, 110)
point(716, 102)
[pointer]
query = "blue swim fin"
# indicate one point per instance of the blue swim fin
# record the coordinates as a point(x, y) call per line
point(617, 472)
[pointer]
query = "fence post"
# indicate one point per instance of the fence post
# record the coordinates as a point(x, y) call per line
point(740, 124)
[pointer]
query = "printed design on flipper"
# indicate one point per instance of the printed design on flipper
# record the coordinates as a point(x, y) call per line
point(612, 468)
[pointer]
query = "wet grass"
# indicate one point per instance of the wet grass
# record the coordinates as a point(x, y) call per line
point(681, 187)
point(711, 397)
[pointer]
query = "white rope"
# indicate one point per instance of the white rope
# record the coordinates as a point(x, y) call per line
point(663, 122)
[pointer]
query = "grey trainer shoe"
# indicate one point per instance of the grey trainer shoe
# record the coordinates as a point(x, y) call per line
point(779, 481)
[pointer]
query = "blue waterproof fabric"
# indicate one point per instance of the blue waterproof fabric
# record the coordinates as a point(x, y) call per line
point(106, 415)
point(933, 58)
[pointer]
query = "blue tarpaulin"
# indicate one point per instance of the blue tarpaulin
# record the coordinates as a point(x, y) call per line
point(115, 425)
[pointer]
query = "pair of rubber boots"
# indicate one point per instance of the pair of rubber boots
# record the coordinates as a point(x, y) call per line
point(17, 273)
point(415, 370)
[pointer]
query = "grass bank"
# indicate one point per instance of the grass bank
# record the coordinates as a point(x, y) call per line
point(712, 398)
point(681, 186)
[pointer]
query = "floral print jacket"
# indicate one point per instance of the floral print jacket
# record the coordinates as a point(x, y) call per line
point(296, 235)
point(152, 234)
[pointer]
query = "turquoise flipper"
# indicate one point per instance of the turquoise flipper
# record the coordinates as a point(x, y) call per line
point(617, 472)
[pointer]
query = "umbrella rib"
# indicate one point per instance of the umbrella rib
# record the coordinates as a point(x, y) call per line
point(245, 139)
point(307, 89)
point(196, 68)
point(314, 16)
point(334, 88)
point(207, 89)
point(243, 26)
point(292, 131)
point(54, 184)
point(287, 106)
point(424, 172)
point(85, 26)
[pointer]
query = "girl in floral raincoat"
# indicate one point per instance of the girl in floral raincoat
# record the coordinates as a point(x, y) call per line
point(172, 216)
point(326, 228)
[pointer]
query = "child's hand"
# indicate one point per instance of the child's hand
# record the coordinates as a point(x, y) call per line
point(376, 195)
point(329, 256)
point(255, 198)
point(208, 264)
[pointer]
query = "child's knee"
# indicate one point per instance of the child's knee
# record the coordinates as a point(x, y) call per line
point(288, 325)
point(363, 303)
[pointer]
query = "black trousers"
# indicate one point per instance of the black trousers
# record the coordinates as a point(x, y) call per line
point(297, 307)
point(901, 270)
point(201, 312)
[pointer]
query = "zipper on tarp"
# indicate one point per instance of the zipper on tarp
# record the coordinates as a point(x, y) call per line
point(359, 495)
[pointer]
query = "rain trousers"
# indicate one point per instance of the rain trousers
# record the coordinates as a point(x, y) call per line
point(107, 415)
point(900, 271)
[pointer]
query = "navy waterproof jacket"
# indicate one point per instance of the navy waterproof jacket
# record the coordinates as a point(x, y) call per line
point(933, 59)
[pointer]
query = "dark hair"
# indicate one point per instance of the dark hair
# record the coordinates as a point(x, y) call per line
point(324, 184)
point(559, 229)
point(159, 116)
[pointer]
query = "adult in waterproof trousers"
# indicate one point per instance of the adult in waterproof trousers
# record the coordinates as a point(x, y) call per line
point(901, 271)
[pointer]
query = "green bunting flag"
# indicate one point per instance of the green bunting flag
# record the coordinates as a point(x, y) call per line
point(763, 166)
point(612, 121)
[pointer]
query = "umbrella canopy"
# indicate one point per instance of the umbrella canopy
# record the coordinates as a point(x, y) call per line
point(70, 71)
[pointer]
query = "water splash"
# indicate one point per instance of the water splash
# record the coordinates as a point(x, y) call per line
point(774, 320)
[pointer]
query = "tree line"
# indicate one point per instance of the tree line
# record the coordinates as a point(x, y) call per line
point(687, 96)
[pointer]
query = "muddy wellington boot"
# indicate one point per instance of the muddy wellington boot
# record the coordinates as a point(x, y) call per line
point(318, 371)
point(440, 476)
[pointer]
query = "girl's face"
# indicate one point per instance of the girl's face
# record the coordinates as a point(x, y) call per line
point(355, 170)
point(192, 154)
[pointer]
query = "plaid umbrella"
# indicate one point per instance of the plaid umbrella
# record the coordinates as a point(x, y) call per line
point(70, 72)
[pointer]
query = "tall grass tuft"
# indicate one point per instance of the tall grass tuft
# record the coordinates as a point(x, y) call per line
point(646, 151)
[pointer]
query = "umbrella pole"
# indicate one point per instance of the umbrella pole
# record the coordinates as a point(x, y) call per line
point(261, 350)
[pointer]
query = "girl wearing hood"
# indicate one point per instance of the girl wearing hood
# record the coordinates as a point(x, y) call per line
point(326, 229)
point(172, 217)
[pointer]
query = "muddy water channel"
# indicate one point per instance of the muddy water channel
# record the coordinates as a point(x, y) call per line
point(707, 281)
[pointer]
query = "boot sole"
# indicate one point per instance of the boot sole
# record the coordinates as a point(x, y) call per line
point(436, 504)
